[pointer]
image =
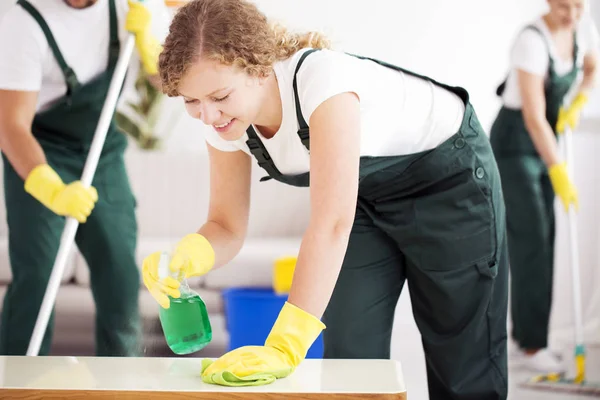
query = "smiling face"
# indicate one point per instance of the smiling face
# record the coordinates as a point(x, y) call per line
point(222, 96)
point(219, 57)
point(566, 13)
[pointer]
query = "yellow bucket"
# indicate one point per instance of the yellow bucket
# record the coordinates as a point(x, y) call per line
point(283, 274)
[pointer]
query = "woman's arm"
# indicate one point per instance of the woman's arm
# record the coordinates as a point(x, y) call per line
point(590, 63)
point(334, 166)
point(534, 113)
point(229, 204)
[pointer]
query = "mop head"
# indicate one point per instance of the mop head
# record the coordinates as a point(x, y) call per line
point(559, 383)
point(564, 385)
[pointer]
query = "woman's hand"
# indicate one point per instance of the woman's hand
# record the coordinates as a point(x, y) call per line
point(285, 348)
point(193, 256)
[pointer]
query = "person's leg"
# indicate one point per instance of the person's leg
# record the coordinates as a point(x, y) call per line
point(446, 213)
point(108, 243)
point(549, 197)
point(33, 240)
point(360, 314)
point(536, 358)
point(530, 236)
point(458, 279)
point(461, 314)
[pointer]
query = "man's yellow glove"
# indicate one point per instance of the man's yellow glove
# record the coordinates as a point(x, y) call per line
point(138, 22)
point(72, 200)
point(570, 115)
point(563, 187)
point(193, 256)
point(285, 348)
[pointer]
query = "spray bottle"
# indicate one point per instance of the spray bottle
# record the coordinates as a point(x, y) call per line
point(185, 323)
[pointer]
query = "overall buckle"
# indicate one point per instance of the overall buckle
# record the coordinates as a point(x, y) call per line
point(304, 134)
point(257, 151)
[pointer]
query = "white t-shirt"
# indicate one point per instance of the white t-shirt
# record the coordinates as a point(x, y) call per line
point(82, 36)
point(400, 114)
point(530, 53)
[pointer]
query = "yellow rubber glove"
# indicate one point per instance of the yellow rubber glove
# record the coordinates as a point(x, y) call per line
point(563, 187)
point(285, 348)
point(570, 116)
point(193, 256)
point(160, 289)
point(72, 200)
point(138, 22)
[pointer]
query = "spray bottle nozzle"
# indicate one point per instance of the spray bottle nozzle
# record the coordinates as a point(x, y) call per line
point(163, 265)
point(164, 271)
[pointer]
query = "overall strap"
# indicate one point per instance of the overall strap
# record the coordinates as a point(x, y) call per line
point(258, 150)
point(575, 50)
point(500, 89)
point(535, 28)
point(551, 70)
point(256, 146)
point(575, 46)
point(114, 46)
point(461, 92)
point(70, 77)
point(303, 132)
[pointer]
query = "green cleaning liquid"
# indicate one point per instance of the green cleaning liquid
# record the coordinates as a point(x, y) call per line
point(185, 323)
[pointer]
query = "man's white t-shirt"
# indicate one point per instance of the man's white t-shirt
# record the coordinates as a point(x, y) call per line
point(530, 54)
point(400, 114)
point(82, 35)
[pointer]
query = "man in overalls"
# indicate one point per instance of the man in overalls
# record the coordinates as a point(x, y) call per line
point(57, 64)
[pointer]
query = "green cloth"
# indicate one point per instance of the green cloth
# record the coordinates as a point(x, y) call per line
point(226, 378)
point(107, 240)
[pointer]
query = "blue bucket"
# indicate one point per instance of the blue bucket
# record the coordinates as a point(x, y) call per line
point(250, 314)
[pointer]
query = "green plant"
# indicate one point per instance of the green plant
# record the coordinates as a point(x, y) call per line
point(138, 118)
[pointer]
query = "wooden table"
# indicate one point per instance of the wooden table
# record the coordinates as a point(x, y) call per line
point(152, 378)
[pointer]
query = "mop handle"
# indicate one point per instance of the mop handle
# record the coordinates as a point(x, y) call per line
point(573, 241)
point(68, 234)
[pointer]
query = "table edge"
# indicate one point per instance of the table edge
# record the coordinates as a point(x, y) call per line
point(100, 394)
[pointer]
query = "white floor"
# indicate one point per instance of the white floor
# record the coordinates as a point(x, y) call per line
point(406, 347)
point(414, 373)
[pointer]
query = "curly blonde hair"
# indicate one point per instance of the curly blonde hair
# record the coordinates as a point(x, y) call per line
point(232, 32)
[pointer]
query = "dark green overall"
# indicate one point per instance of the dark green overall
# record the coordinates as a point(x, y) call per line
point(107, 240)
point(435, 219)
point(529, 201)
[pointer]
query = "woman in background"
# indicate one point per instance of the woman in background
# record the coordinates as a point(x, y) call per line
point(545, 61)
